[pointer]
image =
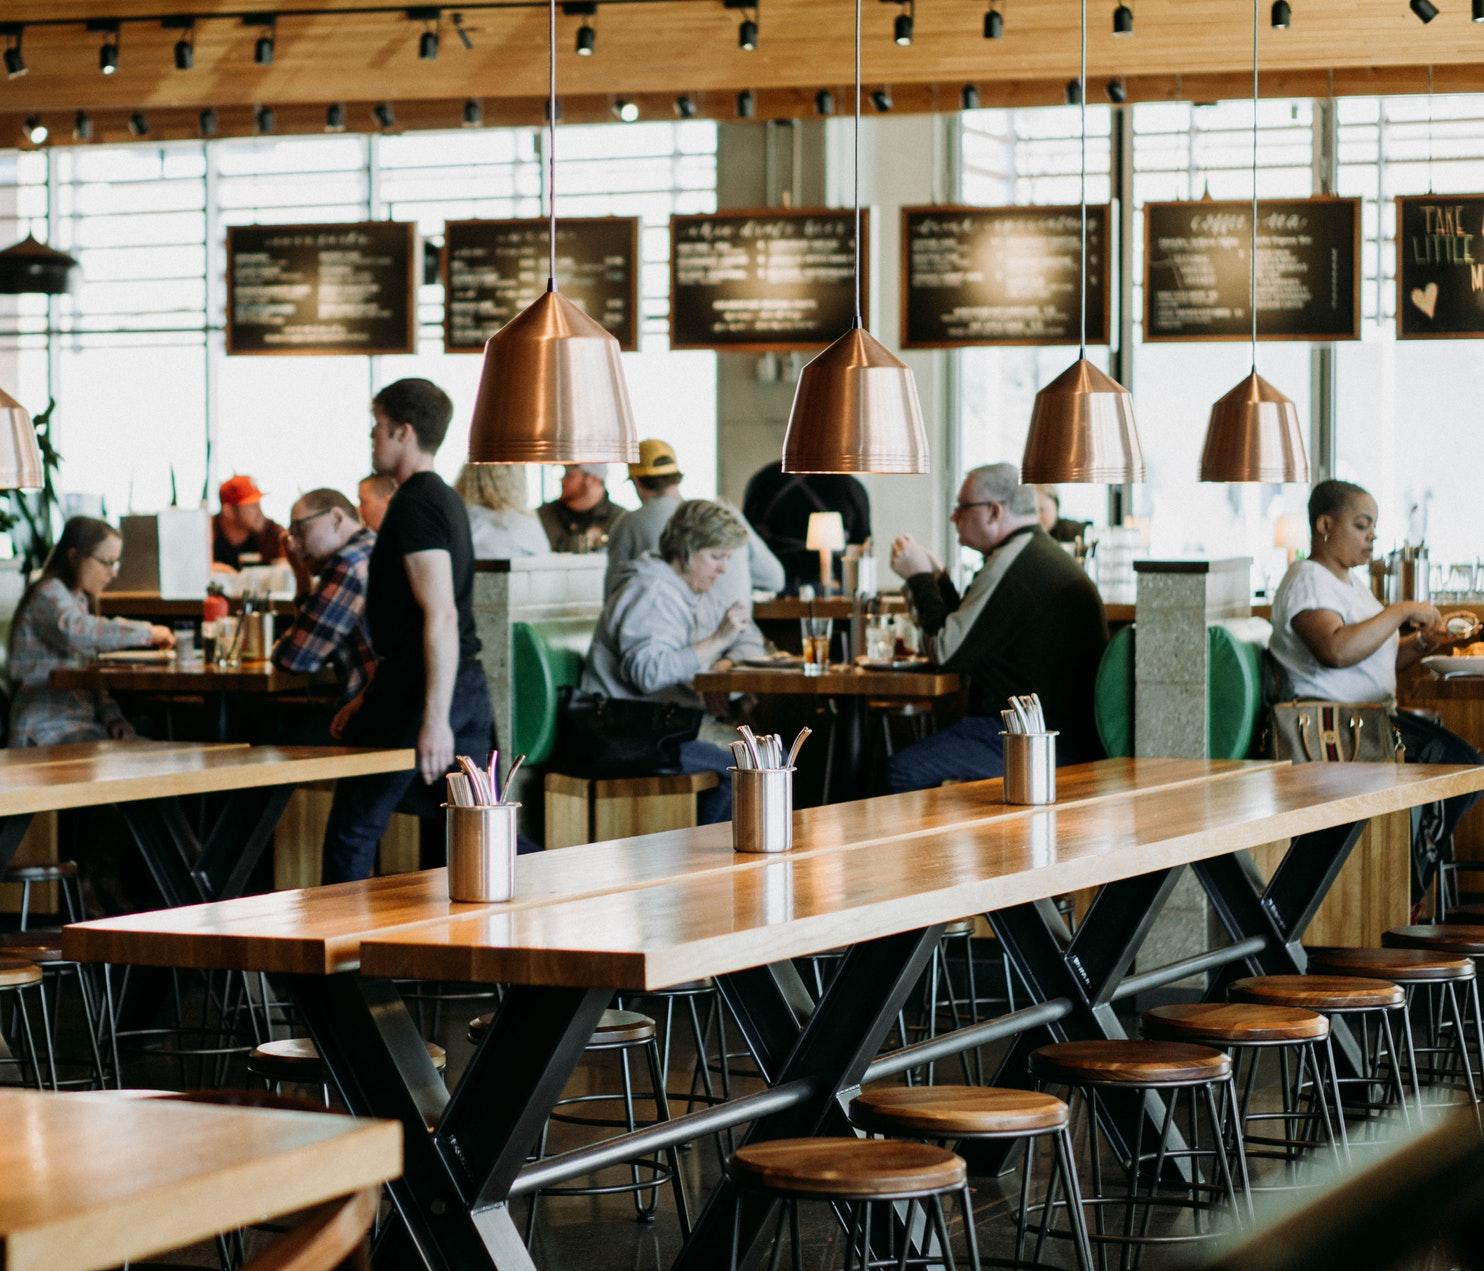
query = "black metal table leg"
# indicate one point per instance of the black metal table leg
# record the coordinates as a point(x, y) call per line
point(12, 831)
point(832, 1053)
point(242, 833)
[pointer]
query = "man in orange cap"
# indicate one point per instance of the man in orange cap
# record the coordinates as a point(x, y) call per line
point(240, 533)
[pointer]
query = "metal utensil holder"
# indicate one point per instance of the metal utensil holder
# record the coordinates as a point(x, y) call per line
point(1030, 767)
point(762, 809)
point(481, 852)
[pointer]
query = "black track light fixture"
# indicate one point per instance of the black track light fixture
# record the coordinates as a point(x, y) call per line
point(266, 120)
point(968, 97)
point(685, 107)
point(1282, 16)
point(1117, 91)
point(264, 47)
point(206, 123)
point(334, 117)
point(881, 99)
point(82, 126)
point(427, 45)
point(185, 49)
point(1123, 21)
point(1074, 93)
point(625, 110)
point(587, 39)
point(994, 24)
point(15, 61)
point(473, 113)
point(1425, 10)
point(747, 31)
point(138, 124)
point(383, 115)
point(458, 29)
point(901, 29)
point(108, 53)
point(35, 131)
point(746, 104)
point(1479, 10)
point(824, 103)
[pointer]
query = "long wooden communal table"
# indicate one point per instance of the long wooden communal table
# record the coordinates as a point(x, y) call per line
point(147, 779)
point(586, 925)
point(95, 1180)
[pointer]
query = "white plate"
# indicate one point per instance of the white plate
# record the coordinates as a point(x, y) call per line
point(782, 662)
point(895, 664)
point(1449, 667)
point(137, 655)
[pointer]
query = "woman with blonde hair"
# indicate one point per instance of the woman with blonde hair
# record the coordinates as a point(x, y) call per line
point(501, 525)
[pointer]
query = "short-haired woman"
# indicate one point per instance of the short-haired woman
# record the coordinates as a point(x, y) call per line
point(501, 524)
point(1338, 643)
point(659, 629)
point(54, 627)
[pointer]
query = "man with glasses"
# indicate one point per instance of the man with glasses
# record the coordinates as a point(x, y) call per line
point(328, 540)
point(1030, 622)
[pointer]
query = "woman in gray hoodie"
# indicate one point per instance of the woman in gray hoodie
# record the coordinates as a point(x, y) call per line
point(657, 630)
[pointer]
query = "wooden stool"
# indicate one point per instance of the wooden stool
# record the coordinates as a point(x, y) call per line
point(16, 976)
point(593, 810)
point(295, 1061)
point(1248, 1032)
point(617, 1032)
point(1439, 979)
point(865, 1175)
point(950, 1113)
point(43, 947)
point(61, 873)
point(1094, 1071)
point(1358, 999)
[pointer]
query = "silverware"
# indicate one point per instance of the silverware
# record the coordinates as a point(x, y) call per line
point(753, 750)
point(510, 778)
point(793, 751)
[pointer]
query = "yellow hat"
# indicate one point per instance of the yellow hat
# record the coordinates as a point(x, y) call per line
point(656, 459)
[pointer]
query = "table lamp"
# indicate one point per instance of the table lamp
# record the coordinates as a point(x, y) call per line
point(826, 536)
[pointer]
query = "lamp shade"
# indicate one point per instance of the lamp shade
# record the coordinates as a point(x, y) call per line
point(1254, 435)
point(826, 532)
point(856, 410)
point(20, 456)
point(552, 391)
point(33, 267)
point(1082, 430)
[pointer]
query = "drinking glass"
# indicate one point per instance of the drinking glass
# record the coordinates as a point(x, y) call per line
point(815, 636)
point(228, 651)
point(881, 639)
point(185, 642)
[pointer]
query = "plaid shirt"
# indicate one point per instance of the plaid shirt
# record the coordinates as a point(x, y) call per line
point(331, 624)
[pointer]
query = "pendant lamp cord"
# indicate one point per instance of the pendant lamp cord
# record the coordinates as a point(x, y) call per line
point(1082, 187)
point(1429, 129)
point(1252, 247)
point(551, 109)
point(856, 163)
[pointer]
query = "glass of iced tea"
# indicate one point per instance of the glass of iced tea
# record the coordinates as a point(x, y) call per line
point(815, 635)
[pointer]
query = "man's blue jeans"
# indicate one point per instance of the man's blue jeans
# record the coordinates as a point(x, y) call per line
point(969, 750)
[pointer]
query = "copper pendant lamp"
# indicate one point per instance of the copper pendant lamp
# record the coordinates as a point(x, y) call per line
point(552, 387)
point(20, 456)
point(1082, 424)
point(1254, 433)
point(856, 407)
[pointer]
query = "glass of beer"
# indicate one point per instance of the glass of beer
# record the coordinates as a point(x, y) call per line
point(815, 635)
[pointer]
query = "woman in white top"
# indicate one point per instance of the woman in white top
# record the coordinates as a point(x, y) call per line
point(499, 522)
point(1339, 643)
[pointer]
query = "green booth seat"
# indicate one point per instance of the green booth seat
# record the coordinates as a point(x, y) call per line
point(1234, 691)
point(546, 657)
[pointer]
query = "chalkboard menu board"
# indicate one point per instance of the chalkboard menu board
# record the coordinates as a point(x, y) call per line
point(1196, 270)
point(494, 269)
point(1001, 275)
point(771, 279)
point(322, 288)
point(1440, 267)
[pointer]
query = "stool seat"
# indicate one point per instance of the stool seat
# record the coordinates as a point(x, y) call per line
point(296, 1059)
point(52, 872)
point(1233, 1023)
point(40, 944)
point(1447, 937)
point(1318, 992)
point(1120, 1062)
point(15, 973)
point(1401, 966)
point(616, 1028)
point(952, 1112)
point(845, 1168)
point(963, 927)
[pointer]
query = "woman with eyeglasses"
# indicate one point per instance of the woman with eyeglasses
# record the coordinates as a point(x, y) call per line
point(54, 627)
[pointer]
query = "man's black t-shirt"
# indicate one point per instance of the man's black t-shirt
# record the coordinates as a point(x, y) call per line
point(424, 515)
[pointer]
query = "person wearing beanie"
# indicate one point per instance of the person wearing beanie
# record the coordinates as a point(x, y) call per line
point(579, 519)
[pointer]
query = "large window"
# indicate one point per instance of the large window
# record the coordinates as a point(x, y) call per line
point(149, 406)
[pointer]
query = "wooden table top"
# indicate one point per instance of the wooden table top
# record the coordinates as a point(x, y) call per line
point(174, 677)
point(1426, 687)
point(783, 608)
point(319, 930)
point(94, 1180)
point(838, 680)
point(138, 770)
point(12, 760)
point(790, 906)
point(150, 604)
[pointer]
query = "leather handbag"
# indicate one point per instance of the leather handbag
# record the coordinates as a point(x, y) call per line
point(600, 736)
point(1334, 732)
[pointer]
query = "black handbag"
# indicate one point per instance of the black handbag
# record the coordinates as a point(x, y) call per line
point(600, 736)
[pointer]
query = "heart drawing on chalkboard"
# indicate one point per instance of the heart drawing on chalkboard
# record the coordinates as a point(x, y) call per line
point(1426, 298)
